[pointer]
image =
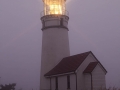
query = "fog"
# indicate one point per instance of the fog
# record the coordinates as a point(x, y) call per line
point(94, 25)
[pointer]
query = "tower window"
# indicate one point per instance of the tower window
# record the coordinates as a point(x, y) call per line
point(61, 22)
point(68, 81)
point(56, 83)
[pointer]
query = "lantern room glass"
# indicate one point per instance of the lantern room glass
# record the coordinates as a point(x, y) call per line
point(52, 7)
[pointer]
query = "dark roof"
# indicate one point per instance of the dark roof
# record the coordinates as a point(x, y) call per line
point(68, 64)
point(90, 67)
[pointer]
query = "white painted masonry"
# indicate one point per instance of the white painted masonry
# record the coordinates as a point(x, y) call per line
point(80, 75)
point(87, 81)
point(98, 78)
point(62, 82)
point(55, 45)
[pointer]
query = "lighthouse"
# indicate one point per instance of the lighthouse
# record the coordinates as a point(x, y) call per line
point(55, 42)
point(59, 70)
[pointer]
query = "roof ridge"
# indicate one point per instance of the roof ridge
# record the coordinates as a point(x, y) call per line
point(78, 54)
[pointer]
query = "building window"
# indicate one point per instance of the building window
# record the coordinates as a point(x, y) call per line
point(68, 81)
point(56, 83)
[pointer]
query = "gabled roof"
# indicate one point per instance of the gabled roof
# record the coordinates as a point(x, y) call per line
point(68, 64)
point(90, 67)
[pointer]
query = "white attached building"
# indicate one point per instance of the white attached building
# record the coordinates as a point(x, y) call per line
point(78, 72)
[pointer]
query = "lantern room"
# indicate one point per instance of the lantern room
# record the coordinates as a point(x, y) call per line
point(54, 7)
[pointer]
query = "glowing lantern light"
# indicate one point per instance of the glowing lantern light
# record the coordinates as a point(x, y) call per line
point(54, 7)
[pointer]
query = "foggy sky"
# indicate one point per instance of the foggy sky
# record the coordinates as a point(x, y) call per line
point(94, 25)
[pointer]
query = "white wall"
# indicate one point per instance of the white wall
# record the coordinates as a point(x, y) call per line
point(62, 82)
point(98, 74)
point(87, 82)
point(80, 75)
point(53, 83)
point(98, 78)
point(73, 82)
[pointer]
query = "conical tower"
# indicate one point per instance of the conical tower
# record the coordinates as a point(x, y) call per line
point(55, 42)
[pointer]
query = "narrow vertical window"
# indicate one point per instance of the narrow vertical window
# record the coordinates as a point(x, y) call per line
point(61, 22)
point(68, 81)
point(56, 83)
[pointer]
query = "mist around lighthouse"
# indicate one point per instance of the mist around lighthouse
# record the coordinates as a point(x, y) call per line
point(93, 26)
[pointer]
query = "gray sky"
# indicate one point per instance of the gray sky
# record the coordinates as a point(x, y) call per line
point(94, 25)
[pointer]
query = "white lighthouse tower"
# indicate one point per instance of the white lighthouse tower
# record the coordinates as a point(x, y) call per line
point(55, 43)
